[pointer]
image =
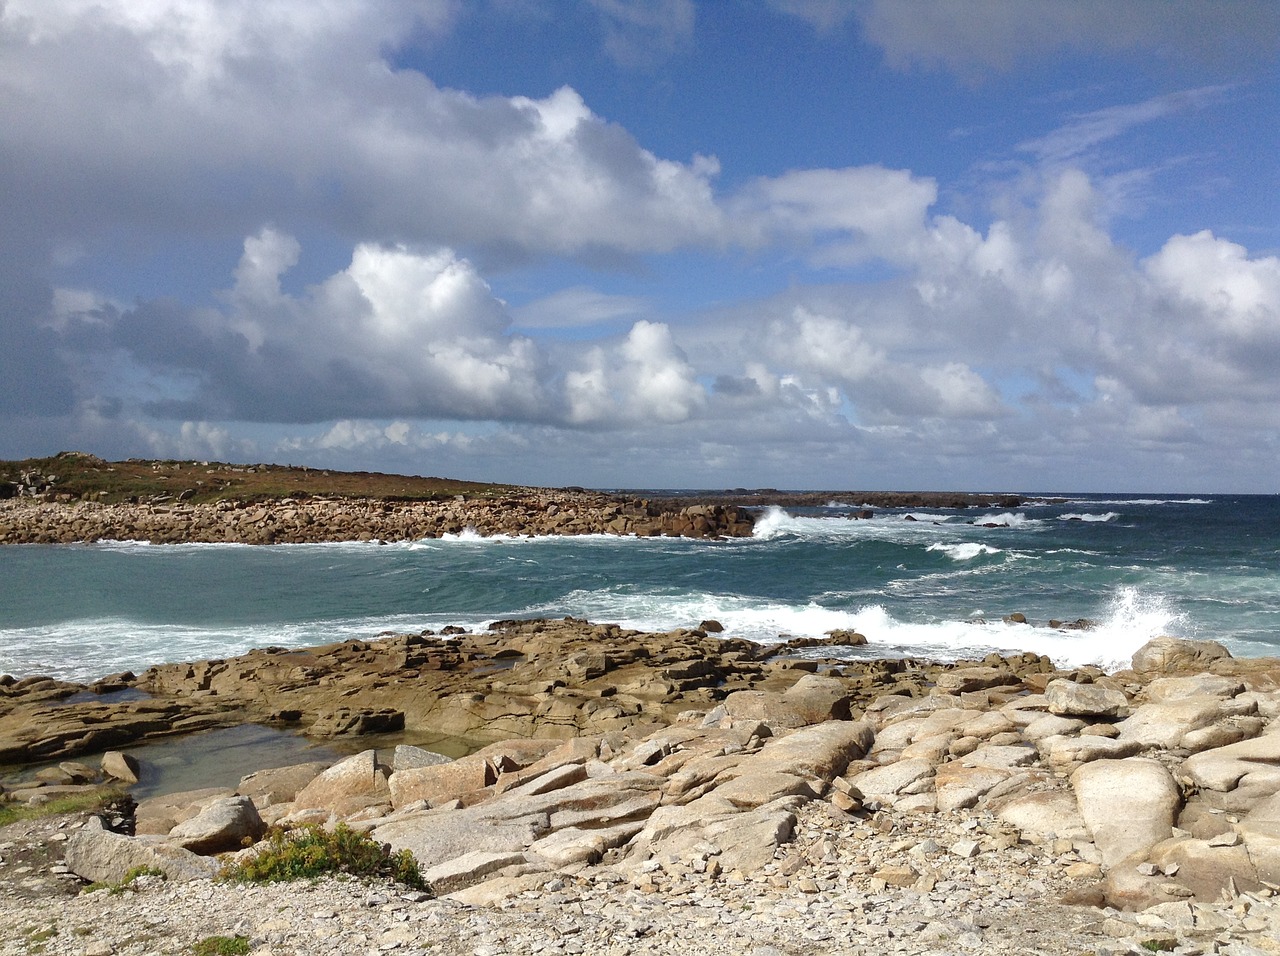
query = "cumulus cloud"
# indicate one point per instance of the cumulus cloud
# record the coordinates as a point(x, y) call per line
point(292, 111)
point(396, 332)
point(646, 379)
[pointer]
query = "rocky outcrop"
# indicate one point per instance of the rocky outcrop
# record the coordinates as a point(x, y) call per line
point(545, 679)
point(289, 520)
point(681, 751)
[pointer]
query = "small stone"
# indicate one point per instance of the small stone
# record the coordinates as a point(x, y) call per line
point(965, 849)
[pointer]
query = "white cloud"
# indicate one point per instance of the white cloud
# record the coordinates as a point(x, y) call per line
point(646, 378)
point(845, 215)
point(300, 117)
point(1082, 132)
point(1238, 295)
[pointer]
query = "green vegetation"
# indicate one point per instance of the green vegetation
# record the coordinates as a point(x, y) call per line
point(127, 882)
point(85, 477)
point(37, 938)
point(1159, 945)
point(97, 800)
point(221, 946)
point(310, 851)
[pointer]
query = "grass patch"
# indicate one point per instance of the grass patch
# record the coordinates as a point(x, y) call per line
point(85, 477)
point(221, 946)
point(1159, 946)
point(96, 800)
point(310, 851)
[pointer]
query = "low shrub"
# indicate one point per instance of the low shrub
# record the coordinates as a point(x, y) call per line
point(221, 946)
point(311, 851)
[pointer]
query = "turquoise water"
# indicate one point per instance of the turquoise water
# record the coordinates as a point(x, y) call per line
point(936, 586)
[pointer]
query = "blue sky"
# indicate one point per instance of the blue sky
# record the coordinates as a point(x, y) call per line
point(623, 243)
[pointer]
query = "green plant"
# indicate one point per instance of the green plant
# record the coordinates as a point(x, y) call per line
point(126, 881)
point(221, 946)
point(1159, 945)
point(311, 851)
point(95, 800)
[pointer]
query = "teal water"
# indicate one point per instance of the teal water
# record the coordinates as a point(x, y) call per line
point(936, 586)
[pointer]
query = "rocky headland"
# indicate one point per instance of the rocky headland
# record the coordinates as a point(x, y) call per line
point(77, 497)
point(682, 792)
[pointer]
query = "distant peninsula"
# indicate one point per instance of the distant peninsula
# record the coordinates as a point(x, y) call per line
point(75, 496)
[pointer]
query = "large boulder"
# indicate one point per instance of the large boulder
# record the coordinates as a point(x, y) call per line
point(1129, 805)
point(817, 699)
point(1168, 723)
point(442, 781)
point(1069, 699)
point(1237, 776)
point(1043, 812)
point(97, 855)
point(226, 824)
point(121, 766)
point(278, 785)
point(1173, 655)
point(348, 786)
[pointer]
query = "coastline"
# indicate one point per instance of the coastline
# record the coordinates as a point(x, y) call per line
point(318, 520)
point(606, 789)
point(634, 781)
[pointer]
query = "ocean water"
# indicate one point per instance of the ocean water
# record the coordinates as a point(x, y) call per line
point(927, 583)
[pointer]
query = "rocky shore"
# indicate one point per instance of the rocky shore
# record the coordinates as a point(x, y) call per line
point(309, 520)
point(637, 793)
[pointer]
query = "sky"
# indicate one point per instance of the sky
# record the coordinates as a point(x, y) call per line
point(991, 245)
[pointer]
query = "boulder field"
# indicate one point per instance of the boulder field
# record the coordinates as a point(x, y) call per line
point(648, 756)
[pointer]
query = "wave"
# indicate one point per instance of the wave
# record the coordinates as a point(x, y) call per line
point(966, 551)
point(1136, 502)
point(1007, 519)
point(1130, 620)
point(85, 650)
point(1086, 516)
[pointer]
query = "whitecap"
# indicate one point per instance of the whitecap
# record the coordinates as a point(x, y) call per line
point(1007, 519)
point(965, 551)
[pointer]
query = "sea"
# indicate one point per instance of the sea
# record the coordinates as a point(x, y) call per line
point(922, 583)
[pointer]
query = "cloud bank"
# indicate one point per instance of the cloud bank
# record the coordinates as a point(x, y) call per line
point(362, 216)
